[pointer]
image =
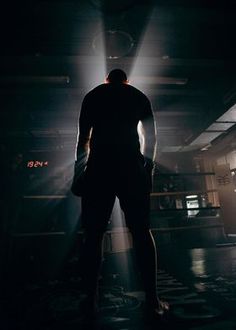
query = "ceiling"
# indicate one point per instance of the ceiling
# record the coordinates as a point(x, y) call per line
point(181, 53)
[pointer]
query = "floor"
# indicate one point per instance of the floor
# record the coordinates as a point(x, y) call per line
point(199, 284)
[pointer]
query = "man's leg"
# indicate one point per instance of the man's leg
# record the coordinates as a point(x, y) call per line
point(91, 262)
point(134, 196)
point(96, 211)
point(145, 249)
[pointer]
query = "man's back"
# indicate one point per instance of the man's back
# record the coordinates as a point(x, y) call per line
point(113, 111)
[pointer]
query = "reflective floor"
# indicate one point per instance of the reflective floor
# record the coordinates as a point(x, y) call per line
point(199, 284)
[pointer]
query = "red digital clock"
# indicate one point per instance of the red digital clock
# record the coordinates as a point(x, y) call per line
point(37, 163)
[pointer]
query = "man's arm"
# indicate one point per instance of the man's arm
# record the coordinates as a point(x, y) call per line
point(149, 132)
point(84, 132)
point(82, 149)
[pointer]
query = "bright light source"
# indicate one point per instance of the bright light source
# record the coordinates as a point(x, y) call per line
point(205, 148)
point(142, 52)
point(94, 67)
point(191, 196)
point(198, 266)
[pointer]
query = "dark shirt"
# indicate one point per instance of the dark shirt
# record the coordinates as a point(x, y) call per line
point(113, 112)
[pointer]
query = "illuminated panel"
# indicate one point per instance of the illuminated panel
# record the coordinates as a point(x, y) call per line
point(229, 116)
point(218, 126)
point(205, 138)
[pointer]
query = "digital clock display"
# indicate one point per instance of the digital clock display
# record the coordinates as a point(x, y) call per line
point(37, 163)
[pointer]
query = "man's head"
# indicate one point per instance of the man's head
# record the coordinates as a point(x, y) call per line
point(117, 76)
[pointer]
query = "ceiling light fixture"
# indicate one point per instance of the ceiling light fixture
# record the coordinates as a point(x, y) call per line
point(160, 80)
point(35, 80)
point(114, 43)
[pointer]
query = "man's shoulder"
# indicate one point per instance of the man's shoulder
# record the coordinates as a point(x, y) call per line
point(139, 96)
point(99, 88)
point(127, 90)
point(135, 90)
point(96, 90)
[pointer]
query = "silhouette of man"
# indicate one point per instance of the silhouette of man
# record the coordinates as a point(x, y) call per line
point(109, 164)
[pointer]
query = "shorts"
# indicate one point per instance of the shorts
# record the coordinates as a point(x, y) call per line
point(104, 182)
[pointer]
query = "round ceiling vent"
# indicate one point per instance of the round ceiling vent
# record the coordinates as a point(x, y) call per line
point(113, 44)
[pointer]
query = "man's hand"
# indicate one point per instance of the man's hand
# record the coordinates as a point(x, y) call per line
point(149, 166)
point(78, 181)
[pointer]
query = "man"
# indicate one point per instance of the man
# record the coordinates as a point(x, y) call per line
point(110, 164)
